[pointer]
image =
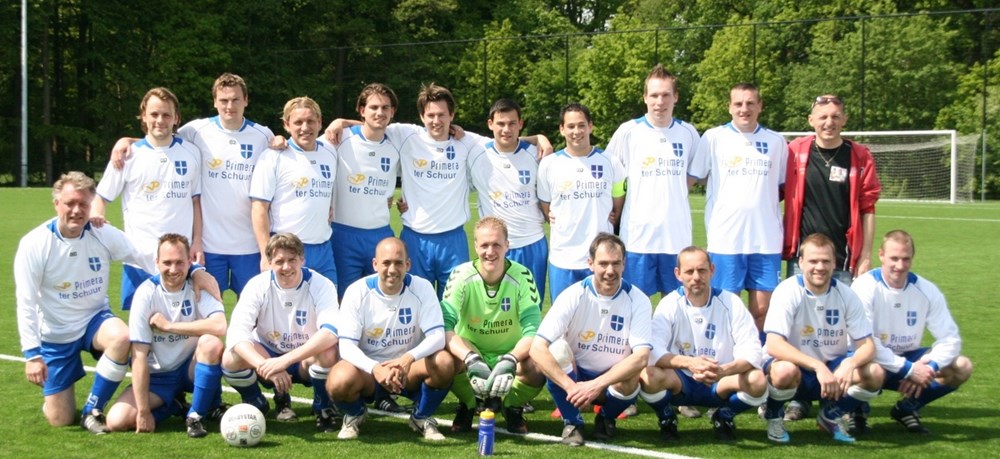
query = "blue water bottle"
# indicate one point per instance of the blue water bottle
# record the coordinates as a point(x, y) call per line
point(487, 420)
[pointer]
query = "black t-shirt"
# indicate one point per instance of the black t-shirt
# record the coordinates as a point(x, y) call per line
point(826, 208)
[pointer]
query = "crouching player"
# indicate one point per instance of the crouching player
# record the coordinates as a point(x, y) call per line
point(605, 322)
point(812, 320)
point(491, 313)
point(282, 331)
point(901, 305)
point(176, 346)
point(392, 342)
point(706, 351)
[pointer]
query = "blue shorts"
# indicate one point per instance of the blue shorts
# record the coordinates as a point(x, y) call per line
point(167, 386)
point(754, 271)
point(694, 393)
point(65, 367)
point(560, 279)
point(132, 278)
point(434, 256)
point(292, 369)
point(535, 257)
point(651, 272)
point(232, 272)
point(809, 388)
point(355, 249)
point(892, 380)
point(319, 258)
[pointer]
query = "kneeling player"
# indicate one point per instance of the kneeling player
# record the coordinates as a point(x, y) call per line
point(392, 341)
point(282, 331)
point(491, 313)
point(812, 320)
point(166, 361)
point(706, 351)
point(901, 305)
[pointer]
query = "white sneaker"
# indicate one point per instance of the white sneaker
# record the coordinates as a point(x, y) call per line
point(796, 411)
point(776, 431)
point(352, 425)
point(689, 411)
point(427, 427)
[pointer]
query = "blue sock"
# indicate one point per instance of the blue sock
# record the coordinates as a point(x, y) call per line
point(613, 406)
point(570, 414)
point(430, 400)
point(733, 406)
point(207, 388)
point(106, 380)
point(834, 410)
point(353, 408)
point(774, 408)
point(245, 383)
point(321, 398)
point(933, 392)
point(663, 408)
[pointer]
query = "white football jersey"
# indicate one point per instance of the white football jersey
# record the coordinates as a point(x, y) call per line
point(228, 158)
point(435, 179)
point(506, 186)
point(168, 351)
point(657, 216)
point(744, 170)
point(366, 179)
point(722, 330)
point(600, 330)
point(900, 316)
point(821, 326)
point(299, 186)
point(283, 319)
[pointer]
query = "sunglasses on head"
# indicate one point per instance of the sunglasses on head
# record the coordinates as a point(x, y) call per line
point(823, 100)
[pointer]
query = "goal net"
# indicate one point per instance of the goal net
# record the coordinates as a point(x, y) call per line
point(919, 165)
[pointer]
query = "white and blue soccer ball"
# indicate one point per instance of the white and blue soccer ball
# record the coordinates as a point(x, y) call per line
point(243, 425)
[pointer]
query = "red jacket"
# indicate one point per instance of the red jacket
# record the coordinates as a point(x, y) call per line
point(865, 190)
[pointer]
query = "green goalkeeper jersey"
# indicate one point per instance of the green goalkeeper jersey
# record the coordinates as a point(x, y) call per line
point(492, 319)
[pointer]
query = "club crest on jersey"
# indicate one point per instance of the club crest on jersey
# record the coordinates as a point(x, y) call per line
point(911, 318)
point(324, 169)
point(246, 150)
point(186, 308)
point(450, 152)
point(505, 304)
point(832, 316)
point(761, 147)
point(300, 317)
point(384, 163)
point(617, 322)
point(405, 315)
point(710, 331)
point(678, 149)
point(596, 171)
point(95, 263)
point(181, 167)
point(524, 177)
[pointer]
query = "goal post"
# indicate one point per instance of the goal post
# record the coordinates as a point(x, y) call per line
point(929, 165)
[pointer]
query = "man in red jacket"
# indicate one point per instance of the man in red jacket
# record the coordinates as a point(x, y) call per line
point(831, 188)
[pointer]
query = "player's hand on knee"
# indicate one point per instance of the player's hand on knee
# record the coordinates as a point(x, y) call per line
point(502, 377)
point(36, 371)
point(479, 374)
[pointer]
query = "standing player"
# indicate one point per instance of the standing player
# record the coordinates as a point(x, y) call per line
point(392, 341)
point(505, 172)
point(160, 187)
point(902, 304)
point(282, 331)
point(176, 347)
point(655, 150)
point(581, 192)
point(292, 189)
point(706, 351)
point(491, 314)
point(813, 322)
point(61, 273)
point(605, 322)
point(744, 163)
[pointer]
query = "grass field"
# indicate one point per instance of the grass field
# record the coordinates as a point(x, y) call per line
point(958, 248)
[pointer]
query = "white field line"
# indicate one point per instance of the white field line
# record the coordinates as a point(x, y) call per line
point(445, 422)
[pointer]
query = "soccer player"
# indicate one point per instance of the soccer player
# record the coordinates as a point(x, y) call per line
point(160, 187)
point(491, 314)
point(813, 321)
point(832, 188)
point(581, 192)
point(902, 304)
point(505, 172)
point(282, 332)
point(61, 273)
point(176, 347)
point(292, 189)
point(744, 164)
point(230, 145)
point(656, 220)
point(392, 341)
point(605, 322)
point(706, 351)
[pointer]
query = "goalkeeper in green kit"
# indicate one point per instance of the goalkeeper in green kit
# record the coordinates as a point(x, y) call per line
point(491, 313)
